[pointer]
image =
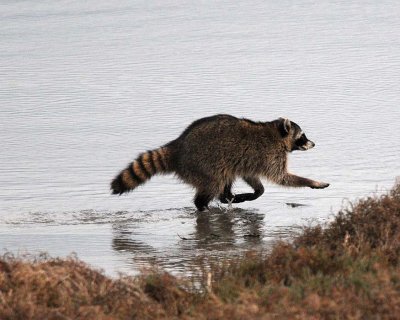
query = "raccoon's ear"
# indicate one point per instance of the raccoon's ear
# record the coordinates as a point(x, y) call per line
point(284, 126)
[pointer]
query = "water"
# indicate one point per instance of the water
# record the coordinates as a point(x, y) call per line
point(85, 87)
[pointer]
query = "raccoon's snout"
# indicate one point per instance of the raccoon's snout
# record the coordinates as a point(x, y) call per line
point(308, 145)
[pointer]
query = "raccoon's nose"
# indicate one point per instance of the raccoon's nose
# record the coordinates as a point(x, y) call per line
point(310, 144)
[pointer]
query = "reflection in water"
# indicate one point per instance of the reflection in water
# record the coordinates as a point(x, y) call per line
point(216, 233)
point(217, 229)
point(175, 239)
point(142, 252)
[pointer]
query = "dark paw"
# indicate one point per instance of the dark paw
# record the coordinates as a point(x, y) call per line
point(320, 185)
point(226, 199)
point(240, 198)
point(245, 197)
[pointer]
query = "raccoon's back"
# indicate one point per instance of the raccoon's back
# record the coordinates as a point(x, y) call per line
point(222, 143)
point(210, 137)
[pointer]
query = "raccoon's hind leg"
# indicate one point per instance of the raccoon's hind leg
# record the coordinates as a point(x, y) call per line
point(206, 192)
point(205, 195)
point(202, 199)
point(257, 186)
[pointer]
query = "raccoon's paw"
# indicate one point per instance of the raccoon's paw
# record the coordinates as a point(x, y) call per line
point(320, 185)
point(239, 198)
point(226, 199)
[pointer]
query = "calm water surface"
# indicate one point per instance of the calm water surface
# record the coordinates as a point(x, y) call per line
point(86, 86)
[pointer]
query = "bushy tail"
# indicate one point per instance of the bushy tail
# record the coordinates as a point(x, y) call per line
point(142, 169)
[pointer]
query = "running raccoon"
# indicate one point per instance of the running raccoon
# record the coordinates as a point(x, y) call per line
point(212, 152)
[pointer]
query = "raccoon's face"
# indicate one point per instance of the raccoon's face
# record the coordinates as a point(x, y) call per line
point(295, 138)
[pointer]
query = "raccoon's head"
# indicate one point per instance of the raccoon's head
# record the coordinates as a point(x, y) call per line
point(295, 138)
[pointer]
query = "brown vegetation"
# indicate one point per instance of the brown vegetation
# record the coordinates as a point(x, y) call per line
point(347, 270)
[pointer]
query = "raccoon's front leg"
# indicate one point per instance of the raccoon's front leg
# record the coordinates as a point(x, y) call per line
point(292, 180)
point(257, 186)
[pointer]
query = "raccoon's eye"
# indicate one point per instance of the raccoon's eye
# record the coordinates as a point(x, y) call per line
point(301, 141)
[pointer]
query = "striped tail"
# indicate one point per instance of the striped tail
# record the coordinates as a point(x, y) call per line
point(142, 169)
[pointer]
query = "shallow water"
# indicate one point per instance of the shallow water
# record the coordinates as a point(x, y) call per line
point(85, 87)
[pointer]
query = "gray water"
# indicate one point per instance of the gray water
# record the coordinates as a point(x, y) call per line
point(86, 86)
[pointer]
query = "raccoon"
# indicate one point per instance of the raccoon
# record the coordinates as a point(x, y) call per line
point(212, 152)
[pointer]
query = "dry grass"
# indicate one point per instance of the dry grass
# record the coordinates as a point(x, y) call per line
point(347, 270)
